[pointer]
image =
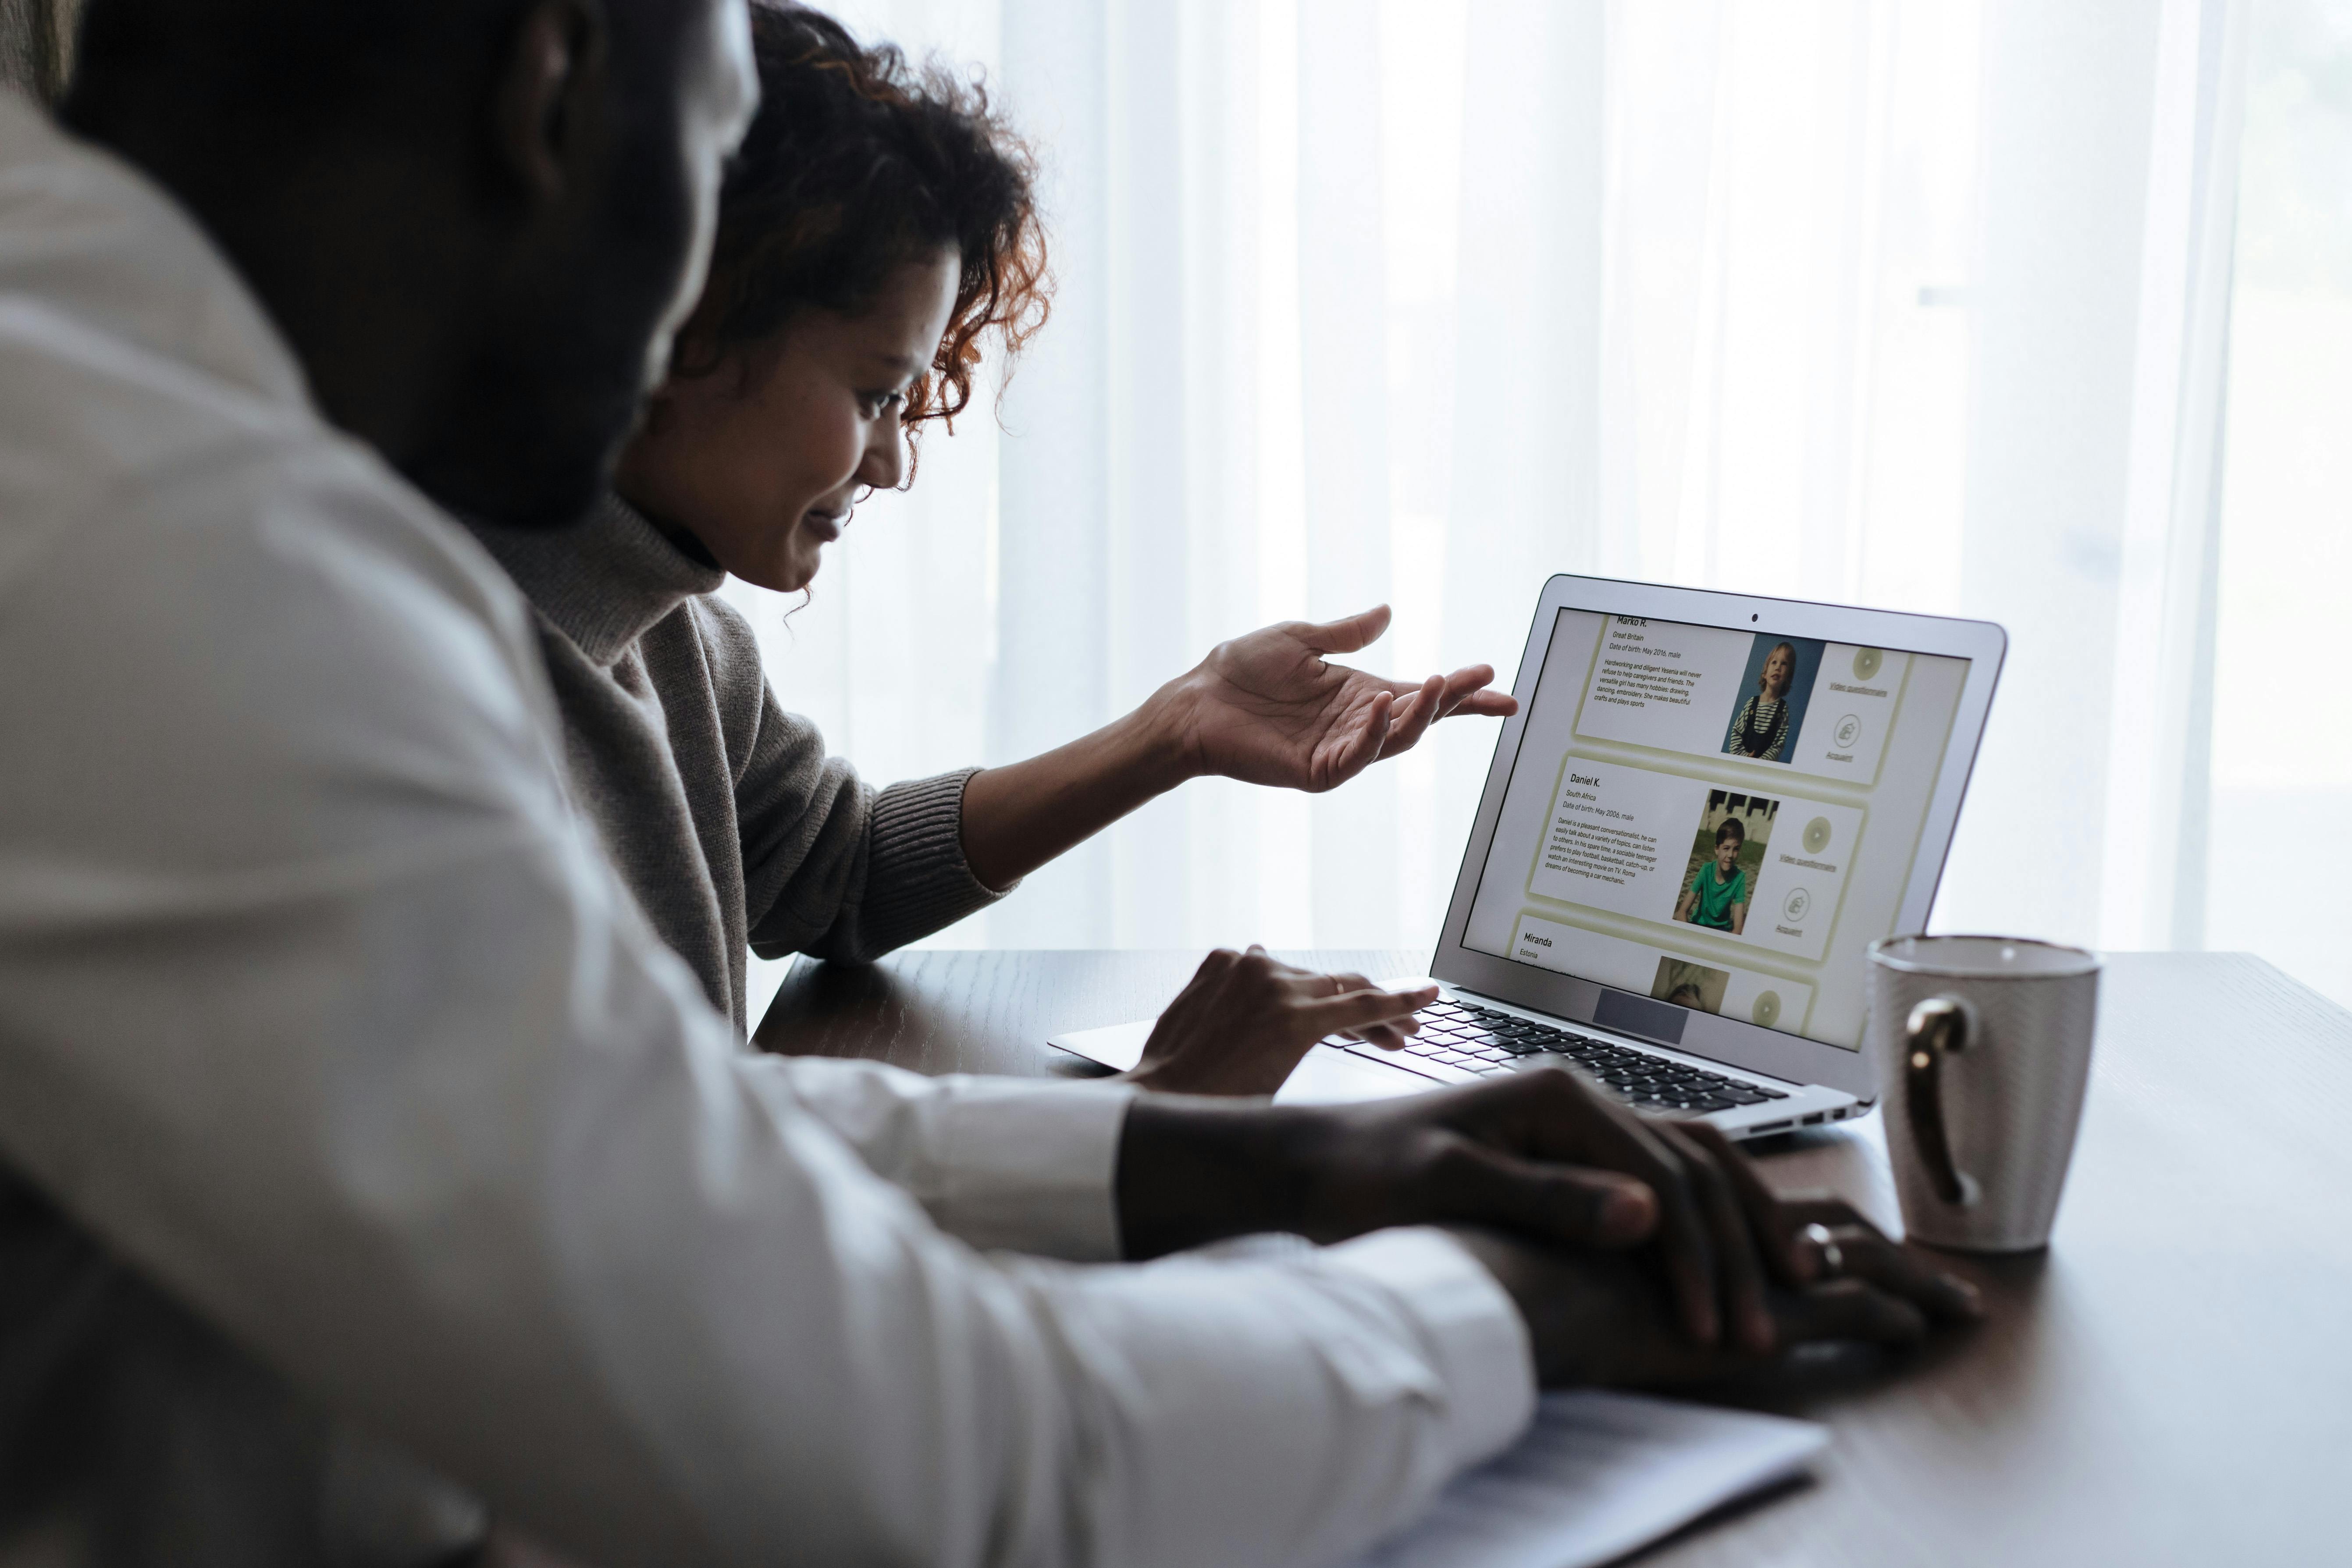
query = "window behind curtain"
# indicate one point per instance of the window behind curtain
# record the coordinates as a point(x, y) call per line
point(2283, 696)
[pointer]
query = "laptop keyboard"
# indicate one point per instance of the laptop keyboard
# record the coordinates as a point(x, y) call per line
point(1485, 1040)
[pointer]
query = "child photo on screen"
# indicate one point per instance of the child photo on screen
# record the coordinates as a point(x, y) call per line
point(1725, 855)
point(1780, 679)
point(1697, 987)
point(1718, 895)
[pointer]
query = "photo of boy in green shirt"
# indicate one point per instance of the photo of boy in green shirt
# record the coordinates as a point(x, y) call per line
point(1717, 897)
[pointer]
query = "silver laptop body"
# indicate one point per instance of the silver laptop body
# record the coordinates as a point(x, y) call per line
point(1706, 808)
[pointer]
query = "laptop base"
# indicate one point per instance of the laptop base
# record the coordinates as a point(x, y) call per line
point(1653, 1079)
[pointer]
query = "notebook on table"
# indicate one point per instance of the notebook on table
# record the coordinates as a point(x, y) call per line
point(1598, 1476)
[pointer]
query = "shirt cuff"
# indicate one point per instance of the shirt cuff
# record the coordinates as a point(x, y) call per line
point(1475, 1336)
point(1026, 1167)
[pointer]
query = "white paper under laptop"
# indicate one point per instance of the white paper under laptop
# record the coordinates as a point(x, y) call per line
point(1706, 808)
point(1598, 1476)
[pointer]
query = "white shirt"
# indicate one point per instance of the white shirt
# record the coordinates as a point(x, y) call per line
point(317, 1003)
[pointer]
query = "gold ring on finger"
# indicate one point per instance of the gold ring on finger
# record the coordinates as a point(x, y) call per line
point(1825, 1245)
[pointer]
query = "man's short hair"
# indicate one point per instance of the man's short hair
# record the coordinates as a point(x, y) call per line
point(277, 63)
point(271, 69)
point(276, 123)
point(1732, 830)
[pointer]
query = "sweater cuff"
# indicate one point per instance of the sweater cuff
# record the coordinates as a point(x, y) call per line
point(916, 879)
point(1473, 1330)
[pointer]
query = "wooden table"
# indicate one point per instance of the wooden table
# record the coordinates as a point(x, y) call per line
point(2170, 1384)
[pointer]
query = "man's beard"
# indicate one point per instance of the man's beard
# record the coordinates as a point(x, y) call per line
point(534, 420)
point(533, 427)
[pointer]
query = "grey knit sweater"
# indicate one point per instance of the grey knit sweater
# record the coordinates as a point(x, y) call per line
point(721, 811)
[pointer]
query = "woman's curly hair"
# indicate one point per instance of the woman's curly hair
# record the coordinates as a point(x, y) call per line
point(857, 164)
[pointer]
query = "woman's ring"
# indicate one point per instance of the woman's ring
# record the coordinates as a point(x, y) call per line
point(1825, 1245)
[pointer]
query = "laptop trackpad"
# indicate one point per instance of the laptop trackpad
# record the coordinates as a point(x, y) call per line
point(1328, 1076)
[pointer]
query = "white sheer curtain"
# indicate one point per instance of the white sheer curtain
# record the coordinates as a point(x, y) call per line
point(2282, 715)
point(1920, 303)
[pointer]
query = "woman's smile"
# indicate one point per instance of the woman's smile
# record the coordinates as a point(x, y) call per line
point(798, 431)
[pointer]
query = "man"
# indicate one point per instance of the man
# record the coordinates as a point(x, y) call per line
point(350, 1093)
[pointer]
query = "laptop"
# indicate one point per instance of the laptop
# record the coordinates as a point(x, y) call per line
point(1706, 808)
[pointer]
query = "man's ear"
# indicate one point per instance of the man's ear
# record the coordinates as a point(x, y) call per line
point(545, 94)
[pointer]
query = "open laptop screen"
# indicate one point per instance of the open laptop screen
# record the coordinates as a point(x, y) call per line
point(1721, 819)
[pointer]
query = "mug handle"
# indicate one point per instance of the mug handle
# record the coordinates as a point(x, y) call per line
point(1938, 1029)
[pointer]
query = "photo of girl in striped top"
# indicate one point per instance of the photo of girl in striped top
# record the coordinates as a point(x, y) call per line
point(1766, 725)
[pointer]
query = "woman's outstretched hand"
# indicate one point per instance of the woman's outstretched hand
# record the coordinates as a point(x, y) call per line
point(1269, 709)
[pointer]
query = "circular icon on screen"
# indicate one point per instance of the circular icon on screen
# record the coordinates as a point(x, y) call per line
point(1766, 1010)
point(1817, 835)
point(1848, 730)
point(1797, 904)
point(1867, 661)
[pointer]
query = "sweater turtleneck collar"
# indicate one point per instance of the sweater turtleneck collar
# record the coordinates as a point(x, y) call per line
point(603, 583)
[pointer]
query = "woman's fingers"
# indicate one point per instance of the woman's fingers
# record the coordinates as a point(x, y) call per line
point(1358, 1010)
point(1486, 705)
point(1454, 688)
point(1348, 632)
point(1340, 984)
point(1390, 1037)
point(1411, 720)
point(1442, 697)
point(1470, 690)
point(1363, 749)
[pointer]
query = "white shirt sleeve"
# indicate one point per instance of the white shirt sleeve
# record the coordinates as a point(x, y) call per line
point(316, 1003)
point(997, 1163)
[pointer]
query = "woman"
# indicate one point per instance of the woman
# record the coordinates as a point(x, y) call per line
point(1761, 728)
point(877, 227)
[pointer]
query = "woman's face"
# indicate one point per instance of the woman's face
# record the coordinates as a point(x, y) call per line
point(1779, 670)
point(764, 470)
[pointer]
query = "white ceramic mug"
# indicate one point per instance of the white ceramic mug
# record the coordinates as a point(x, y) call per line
point(1984, 1049)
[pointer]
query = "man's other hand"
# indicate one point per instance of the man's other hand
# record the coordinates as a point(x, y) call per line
point(1540, 1155)
point(1605, 1320)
